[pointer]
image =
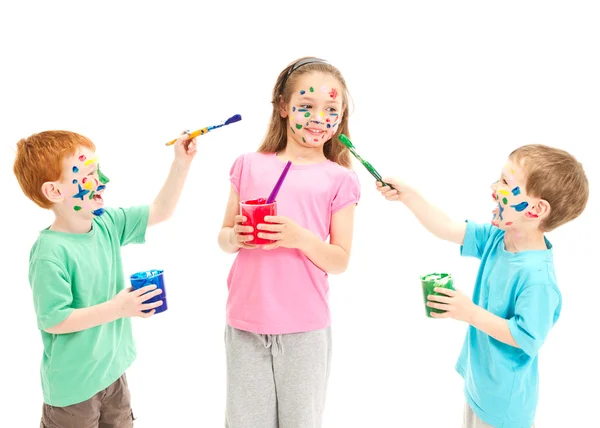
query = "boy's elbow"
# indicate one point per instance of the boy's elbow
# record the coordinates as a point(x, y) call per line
point(54, 330)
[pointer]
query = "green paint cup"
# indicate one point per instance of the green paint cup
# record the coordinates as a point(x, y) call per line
point(429, 282)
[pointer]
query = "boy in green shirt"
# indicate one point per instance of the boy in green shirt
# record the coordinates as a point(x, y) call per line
point(82, 303)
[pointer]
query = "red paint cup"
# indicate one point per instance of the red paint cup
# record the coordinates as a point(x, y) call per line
point(255, 211)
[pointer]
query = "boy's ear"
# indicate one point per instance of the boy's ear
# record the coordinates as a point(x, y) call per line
point(52, 192)
point(282, 107)
point(541, 210)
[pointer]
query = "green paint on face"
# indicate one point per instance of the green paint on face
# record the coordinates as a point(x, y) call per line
point(307, 114)
point(91, 195)
point(298, 126)
point(292, 130)
point(77, 208)
point(312, 89)
point(303, 140)
point(103, 178)
point(505, 201)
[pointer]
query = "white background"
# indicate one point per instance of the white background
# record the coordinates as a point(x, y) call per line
point(443, 91)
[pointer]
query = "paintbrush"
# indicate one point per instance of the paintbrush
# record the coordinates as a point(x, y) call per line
point(203, 131)
point(275, 191)
point(346, 142)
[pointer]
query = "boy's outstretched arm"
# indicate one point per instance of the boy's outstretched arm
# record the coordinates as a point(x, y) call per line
point(128, 303)
point(460, 307)
point(430, 216)
point(163, 206)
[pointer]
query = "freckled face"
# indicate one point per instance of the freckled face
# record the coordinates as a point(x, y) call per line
point(509, 195)
point(83, 184)
point(315, 109)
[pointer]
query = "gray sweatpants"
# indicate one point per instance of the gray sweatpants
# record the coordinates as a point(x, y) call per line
point(276, 381)
point(470, 419)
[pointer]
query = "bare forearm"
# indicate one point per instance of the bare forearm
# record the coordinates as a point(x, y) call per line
point(434, 219)
point(327, 257)
point(493, 326)
point(85, 318)
point(163, 206)
point(225, 238)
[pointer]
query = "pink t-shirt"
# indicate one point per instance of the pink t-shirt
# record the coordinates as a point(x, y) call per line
point(281, 291)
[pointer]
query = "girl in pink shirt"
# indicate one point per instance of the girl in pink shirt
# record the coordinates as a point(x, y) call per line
point(278, 337)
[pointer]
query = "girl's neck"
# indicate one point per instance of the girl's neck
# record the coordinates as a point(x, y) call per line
point(302, 155)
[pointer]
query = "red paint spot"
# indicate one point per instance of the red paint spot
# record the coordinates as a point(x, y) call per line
point(333, 94)
point(82, 158)
point(508, 223)
point(96, 180)
point(322, 136)
point(84, 180)
point(327, 121)
point(529, 215)
point(316, 140)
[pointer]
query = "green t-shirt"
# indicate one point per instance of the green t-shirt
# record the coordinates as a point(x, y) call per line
point(71, 271)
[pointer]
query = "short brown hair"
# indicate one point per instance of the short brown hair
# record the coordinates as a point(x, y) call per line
point(276, 137)
point(557, 177)
point(40, 159)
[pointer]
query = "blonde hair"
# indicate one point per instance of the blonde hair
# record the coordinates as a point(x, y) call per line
point(557, 177)
point(275, 139)
point(40, 159)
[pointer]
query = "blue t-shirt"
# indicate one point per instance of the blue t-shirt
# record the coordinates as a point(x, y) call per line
point(501, 381)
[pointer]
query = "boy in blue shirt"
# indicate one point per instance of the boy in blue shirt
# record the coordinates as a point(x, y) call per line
point(516, 300)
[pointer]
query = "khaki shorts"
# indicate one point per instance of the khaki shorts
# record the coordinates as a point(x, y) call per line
point(110, 408)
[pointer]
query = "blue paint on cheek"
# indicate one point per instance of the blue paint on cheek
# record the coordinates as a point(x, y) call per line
point(294, 108)
point(328, 126)
point(516, 191)
point(302, 92)
point(101, 187)
point(501, 211)
point(98, 212)
point(74, 181)
point(302, 110)
point(81, 193)
point(520, 207)
point(75, 169)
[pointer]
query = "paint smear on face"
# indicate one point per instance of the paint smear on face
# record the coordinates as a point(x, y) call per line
point(98, 212)
point(500, 212)
point(520, 207)
point(505, 201)
point(298, 126)
point(503, 192)
point(75, 170)
point(82, 192)
point(75, 181)
point(302, 92)
point(516, 191)
point(509, 223)
point(311, 89)
point(77, 208)
point(293, 109)
point(82, 158)
point(333, 94)
point(90, 161)
point(530, 215)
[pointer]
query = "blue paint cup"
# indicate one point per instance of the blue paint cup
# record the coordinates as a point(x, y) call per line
point(154, 276)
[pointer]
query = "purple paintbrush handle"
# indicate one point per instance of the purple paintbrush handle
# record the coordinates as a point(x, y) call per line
point(273, 194)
